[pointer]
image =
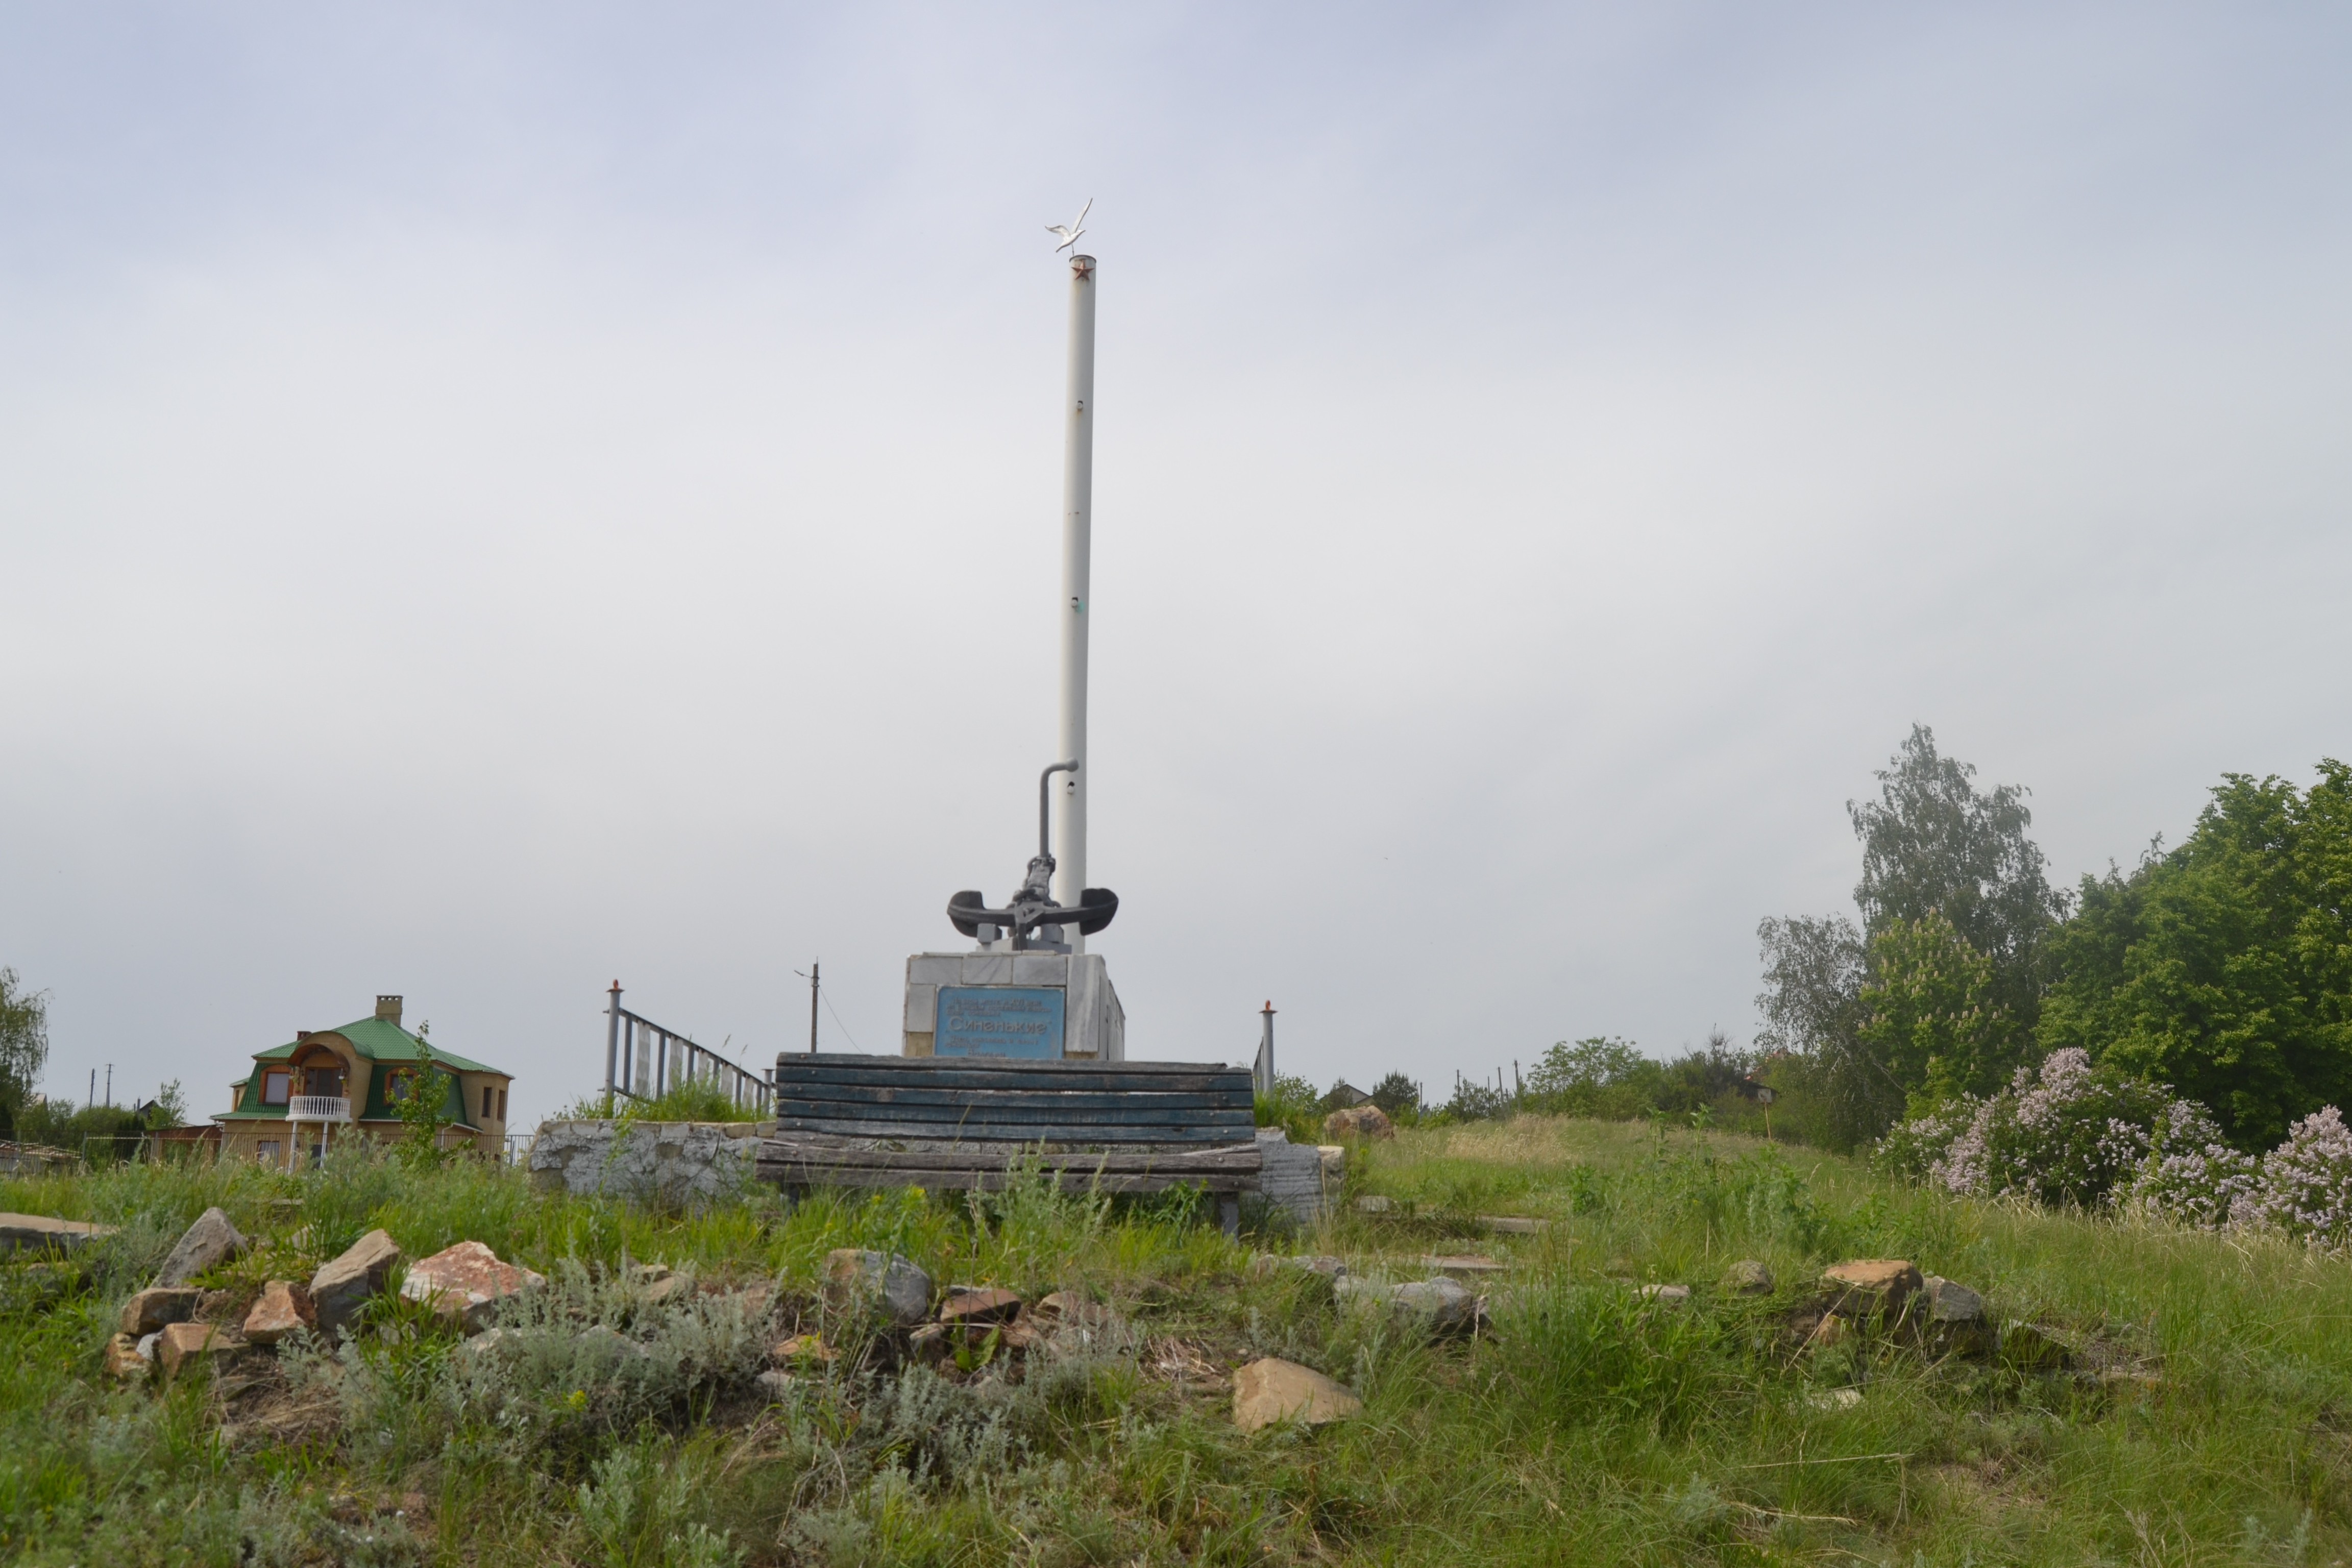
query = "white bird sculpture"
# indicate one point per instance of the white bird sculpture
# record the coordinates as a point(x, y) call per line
point(1070, 234)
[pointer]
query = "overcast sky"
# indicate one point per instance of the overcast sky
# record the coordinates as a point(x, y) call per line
point(494, 499)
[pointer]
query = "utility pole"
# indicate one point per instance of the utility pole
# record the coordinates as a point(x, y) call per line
point(1078, 607)
point(109, 1086)
point(814, 970)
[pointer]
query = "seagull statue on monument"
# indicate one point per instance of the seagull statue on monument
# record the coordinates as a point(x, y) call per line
point(1070, 234)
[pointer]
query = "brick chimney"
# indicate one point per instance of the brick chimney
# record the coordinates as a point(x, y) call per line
point(388, 1009)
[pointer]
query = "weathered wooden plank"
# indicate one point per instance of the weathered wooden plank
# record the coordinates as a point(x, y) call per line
point(786, 1061)
point(969, 1073)
point(995, 1180)
point(1227, 1157)
point(945, 1119)
point(1018, 1099)
point(977, 1130)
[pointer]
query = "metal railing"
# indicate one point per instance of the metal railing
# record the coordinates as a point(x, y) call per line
point(642, 1061)
point(317, 1108)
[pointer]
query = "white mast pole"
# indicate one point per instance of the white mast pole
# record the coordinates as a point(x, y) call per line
point(1078, 605)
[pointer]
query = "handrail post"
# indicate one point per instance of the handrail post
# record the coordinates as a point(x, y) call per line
point(612, 1041)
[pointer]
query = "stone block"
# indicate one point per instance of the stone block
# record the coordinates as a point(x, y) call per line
point(150, 1310)
point(182, 1345)
point(1748, 1277)
point(465, 1283)
point(922, 1008)
point(284, 1307)
point(685, 1163)
point(1271, 1390)
point(975, 1305)
point(986, 969)
point(1359, 1122)
point(1041, 969)
point(341, 1287)
point(1291, 1177)
point(935, 970)
point(1871, 1288)
point(1440, 1306)
point(1949, 1302)
point(209, 1242)
point(123, 1359)
point(854, 1277)
point(1666, 1295)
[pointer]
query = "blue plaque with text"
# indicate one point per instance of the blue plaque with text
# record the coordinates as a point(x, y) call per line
point(998, 1021)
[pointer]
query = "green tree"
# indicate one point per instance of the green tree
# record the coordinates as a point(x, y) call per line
point(422, 1104)
point(1934, 844)
point(2223, 967)
point(1930, 1013)
point(1812, 1008)
point(24, 1042)
point(1397, 1095)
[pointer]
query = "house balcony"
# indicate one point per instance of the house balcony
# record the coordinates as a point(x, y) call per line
point(317, 1108)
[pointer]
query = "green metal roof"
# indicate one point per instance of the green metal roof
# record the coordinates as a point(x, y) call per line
point(381, 1040)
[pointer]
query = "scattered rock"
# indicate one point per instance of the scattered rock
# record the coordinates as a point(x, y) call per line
point(774, 1384)
point(1833, 1398)
point(2032, 1347)
point(1373, 1203)
point(182, 1345)
point(970, 1304)
point(661, 1292)
point(803, 1347)
point(1948, 1301)
point(852, 1276)
point(1871, 1288)
point(217, 1306)
point(1666, 1295)
point(1831, 1330)
point(123, 1359)
point(211, 1241)
point(283, 1308)
point(1464, 1263)
point(483, 1343)
point(1443, 1306)
point(1359, 1122)
point(40, 1233)
point(150, 1310)
point(1272, 1390)
point(928, 1342)
point(147, 1345)
point(1266, 1264)
point(341, 1287)
point(1071, 1325)
point(465, 1283)
point(1513, 1224)
point(1748, 1277)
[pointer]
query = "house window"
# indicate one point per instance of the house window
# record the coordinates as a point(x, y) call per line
point(502, 1105)
point(485, 1102)
point(397, 1087)
point(275, 1085)
point(326, 1081)
point(266, 1150)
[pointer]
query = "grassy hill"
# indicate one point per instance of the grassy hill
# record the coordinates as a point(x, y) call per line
point(2203, 1414)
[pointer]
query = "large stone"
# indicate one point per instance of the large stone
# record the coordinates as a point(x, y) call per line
point(1949, 1302)
point(211, 1241)
point(150, 1310)
point(1272, 1390)
point(976, 1305)
point(123, 1359)
point(40, 1233)
point(1440, 1306)
point(1871, 1288)
point(1359, 1122)
point(465, 1284)
point(853, 1278)
point(182, 1345)
point(1666, 1295)
point(283, 1308)
point(683, 1163)
point(341, 1287)
point(1748, 1277)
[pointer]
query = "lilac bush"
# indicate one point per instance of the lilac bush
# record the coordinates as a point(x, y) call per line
point(2069, 1133)
point(2305, 1184)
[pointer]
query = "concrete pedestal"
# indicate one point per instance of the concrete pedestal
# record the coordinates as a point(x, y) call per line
point(1051, 1006)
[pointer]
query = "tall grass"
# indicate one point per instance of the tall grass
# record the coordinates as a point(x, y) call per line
point(1584, 1422)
